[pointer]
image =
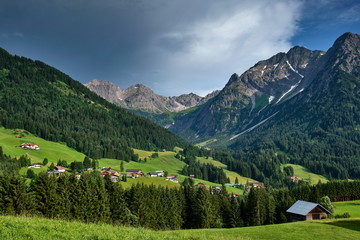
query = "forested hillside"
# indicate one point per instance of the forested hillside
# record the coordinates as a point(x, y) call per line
point(318, 128)
point(50, 104)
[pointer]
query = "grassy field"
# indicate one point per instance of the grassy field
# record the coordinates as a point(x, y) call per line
point(352, 207)
point(165, 162)
point(50, 150)
point(40, 228)
point(303, 173)
point(230, 174)
point(55, 151)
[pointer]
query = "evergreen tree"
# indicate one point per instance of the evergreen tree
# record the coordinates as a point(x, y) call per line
point(122, 166)
point(87, 162)
point(45, 162)
point(52, 167)
point(30, 174)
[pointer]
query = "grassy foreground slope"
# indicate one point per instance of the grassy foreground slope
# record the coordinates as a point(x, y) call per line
point(303, 173)
point(40, 228)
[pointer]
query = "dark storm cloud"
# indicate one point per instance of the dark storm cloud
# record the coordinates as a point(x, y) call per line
point(172, 46)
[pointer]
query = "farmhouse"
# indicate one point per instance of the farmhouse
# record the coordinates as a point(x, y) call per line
point(256, 184)
point(60, 169)
point(304, 211)
point(294, 179)
point(106, 169)
point(156, 174)
point(153, 174)
point(35, 165)
point(134, 173)
point(30, 146)
point(171, 176)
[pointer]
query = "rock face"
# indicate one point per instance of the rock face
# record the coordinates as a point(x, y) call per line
point(259, 94)
point(140, 97)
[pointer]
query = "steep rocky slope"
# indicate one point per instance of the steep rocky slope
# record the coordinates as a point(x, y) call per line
point(139, 97)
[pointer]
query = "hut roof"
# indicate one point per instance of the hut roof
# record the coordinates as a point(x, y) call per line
point(303, 207)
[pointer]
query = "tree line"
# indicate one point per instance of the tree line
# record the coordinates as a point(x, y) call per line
point(93, 198)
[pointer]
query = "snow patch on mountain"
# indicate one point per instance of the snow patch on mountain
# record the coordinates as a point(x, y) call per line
point(271, 98)
point(287, 92)
point(253, 127)
point(291, 67)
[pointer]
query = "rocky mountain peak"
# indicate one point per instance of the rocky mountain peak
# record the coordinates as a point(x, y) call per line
point(345, 52)
point(141, 97)
point(105, 89)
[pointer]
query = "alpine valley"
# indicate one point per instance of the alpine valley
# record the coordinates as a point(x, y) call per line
point(277, 144)
point(302, 105)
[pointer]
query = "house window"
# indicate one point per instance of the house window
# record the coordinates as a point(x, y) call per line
point(316, 216)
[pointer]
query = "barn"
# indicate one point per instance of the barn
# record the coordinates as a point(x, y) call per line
point(304, 211)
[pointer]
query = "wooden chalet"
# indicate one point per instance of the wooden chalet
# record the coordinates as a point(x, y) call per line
point(305, 211)
point(30, 146)
point(134, 173)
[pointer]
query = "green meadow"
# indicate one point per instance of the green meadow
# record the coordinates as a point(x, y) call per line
point(303, 173)
point(165, 162)
point(352, 207)
point(50, 150)
point(12, 228)
point(232, 175)
point(54, 151)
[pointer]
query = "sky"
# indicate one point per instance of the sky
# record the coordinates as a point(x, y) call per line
point(172, 46)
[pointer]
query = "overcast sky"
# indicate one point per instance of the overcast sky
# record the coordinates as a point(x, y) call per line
point(172, 46)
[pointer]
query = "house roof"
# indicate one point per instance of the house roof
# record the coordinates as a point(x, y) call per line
point(303, 207)
point(133, 170)
point(59, 167)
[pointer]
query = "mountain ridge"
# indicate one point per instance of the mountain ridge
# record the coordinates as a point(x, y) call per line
point(141, 97)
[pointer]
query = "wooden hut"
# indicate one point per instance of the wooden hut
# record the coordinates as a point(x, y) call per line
point(304, 211)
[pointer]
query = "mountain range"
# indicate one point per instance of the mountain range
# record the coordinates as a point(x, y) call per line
point(302, 104)
point(139, 97)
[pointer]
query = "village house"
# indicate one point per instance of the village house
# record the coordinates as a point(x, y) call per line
point(106, 169)
point(253, 185)
point(175, 180)
point(30, 146)
point(60, 169)
point(156, 174)
point(256, 184)
point(305, 211)
point(18, 136)
point(114, 178)
point(160, 173)
point(192, 176)
point(152, 174)
point(134, 173)
point(234, 195)
point(171, 176)
point(35, 165)
point(294, 179)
